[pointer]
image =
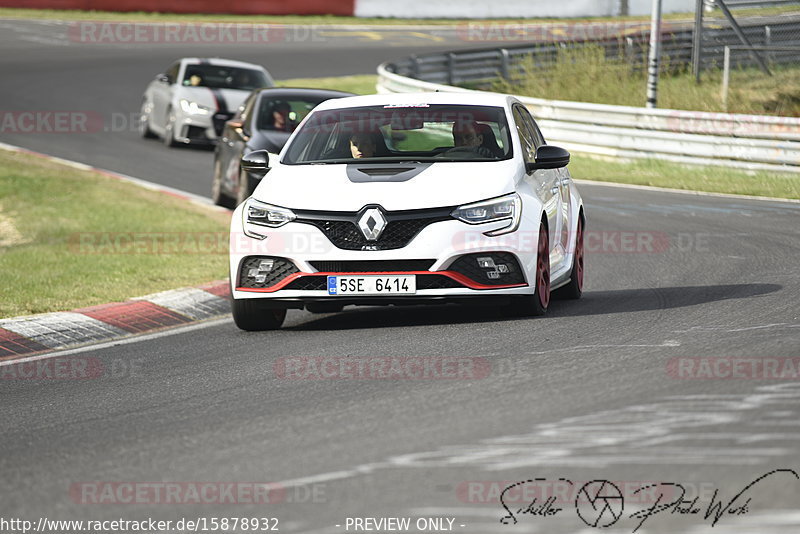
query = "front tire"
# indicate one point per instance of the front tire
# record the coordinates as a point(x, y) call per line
point(217, 196)
point(536, 304)
point(169, 130)
point(254, 315)
point(144, 122)
point(574, 289)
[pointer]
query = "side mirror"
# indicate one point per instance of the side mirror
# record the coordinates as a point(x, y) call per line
point(256, 163)
point(548, 157)
point(162, 78)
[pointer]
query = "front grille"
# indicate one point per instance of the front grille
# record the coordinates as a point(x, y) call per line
point(401, 227)
point(505, 272)
point(371, 266)
point(436, 281)
point(309, 283)
point(196, 133)
point(250, 269)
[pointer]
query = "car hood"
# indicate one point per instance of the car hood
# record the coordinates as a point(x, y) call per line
point(350, 187)
point(216, 99)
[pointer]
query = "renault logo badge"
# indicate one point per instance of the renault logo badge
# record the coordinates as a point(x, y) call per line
point(372, 224)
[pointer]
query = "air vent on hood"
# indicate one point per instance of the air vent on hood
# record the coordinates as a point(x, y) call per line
point(384, 171)
point(377, 172)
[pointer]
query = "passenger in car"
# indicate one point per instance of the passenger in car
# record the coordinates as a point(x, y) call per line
point(362, 145)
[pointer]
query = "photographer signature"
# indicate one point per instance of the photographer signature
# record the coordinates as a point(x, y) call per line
point(600, 503)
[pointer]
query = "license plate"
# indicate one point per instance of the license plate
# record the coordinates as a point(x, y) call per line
point(372, 285)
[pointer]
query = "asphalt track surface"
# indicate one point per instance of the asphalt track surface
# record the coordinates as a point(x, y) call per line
point(585, 393)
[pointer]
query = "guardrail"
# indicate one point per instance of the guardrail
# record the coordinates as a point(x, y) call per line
point(754, 142)
point(479, 67)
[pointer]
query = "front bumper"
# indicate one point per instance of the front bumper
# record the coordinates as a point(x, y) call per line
point(439, 256)
point(200, 129)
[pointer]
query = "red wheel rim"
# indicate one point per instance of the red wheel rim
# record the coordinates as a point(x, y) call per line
point(543, 269)
point(579, 255)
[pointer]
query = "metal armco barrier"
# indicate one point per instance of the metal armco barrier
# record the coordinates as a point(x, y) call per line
point(755, 142)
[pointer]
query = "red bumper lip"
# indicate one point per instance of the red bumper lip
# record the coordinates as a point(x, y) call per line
point(458, 277)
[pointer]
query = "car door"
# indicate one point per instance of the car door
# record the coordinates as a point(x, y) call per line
point(564, 180)
point(545, 181)
point(162, 95)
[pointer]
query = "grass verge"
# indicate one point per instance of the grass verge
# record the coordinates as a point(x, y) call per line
point(66, 239)
point(658, 173)
point(360, 84)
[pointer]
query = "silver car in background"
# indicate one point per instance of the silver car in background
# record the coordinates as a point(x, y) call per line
point(191, 101)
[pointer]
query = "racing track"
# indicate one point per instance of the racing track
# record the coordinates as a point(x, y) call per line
point(204, 403)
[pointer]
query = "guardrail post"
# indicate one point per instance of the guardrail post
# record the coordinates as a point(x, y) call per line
point(451, 66)
point(768, 42)
point(504, 64)
point(726, 77)
point(697, 41)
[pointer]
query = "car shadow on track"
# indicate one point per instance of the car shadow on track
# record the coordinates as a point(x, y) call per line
point(592, 303)
point(655, 298)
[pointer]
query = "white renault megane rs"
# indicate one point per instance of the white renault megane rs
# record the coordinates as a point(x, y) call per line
point(407, 199)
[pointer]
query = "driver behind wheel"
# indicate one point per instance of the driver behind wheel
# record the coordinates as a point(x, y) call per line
point(467, 137)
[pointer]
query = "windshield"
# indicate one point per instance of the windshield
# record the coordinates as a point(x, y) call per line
point(219, 77)
point(284, 114)
point(402, 133)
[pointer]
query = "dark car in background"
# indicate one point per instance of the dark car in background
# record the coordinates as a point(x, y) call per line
point(264, 121)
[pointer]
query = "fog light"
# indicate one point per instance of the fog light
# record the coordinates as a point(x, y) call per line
point(261, 278)
point(486, 262)
point(266, 265)
point(493, 275)
point(503, 268)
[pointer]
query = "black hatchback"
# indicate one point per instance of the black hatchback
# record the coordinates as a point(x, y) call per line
point(264, 122)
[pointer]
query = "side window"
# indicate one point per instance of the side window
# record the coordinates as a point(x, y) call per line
point(172, 72)
point(525, 137)
point(538, 139)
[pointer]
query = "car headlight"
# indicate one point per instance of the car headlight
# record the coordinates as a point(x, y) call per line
point(261, 214)
point(193, 108)
point(507, 207)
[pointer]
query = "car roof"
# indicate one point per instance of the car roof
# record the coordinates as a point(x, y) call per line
point(221, 62)
point(411, 99)
point(289, 92)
